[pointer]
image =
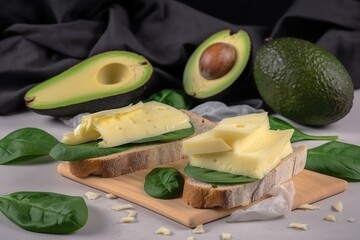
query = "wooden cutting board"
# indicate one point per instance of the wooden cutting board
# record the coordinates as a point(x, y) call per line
point(310, 187)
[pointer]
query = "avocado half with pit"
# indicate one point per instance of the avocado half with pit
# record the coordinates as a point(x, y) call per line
point(104, 81)
point(216, 64)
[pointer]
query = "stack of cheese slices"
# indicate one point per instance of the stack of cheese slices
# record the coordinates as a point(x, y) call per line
point(242, 145)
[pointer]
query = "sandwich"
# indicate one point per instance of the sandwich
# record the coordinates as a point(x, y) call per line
point(120, 141)
point(238, 162)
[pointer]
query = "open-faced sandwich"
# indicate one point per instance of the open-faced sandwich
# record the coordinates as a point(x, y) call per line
point(238, 162)
point(120, 141)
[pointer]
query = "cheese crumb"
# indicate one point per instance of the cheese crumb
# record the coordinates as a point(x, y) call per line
point(198, 229)
point(308, 207)
point(352, 220)
point(110, 196)
point(91, 195)
point(301, 226)
point(130, 218)
point(338, 206)
point(131, 213)
point(225, 236)
point(163, 231)
point(330, 218)
point(127, 219)
point(121, 207)
point(190, 238)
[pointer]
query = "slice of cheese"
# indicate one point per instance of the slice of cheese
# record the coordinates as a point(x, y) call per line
point(204, 143)
point(151, 120)
point(245, 124)
point(236, 133)
point(242, 131)
point(129, 124)
point(86, 131)
point(255, 161)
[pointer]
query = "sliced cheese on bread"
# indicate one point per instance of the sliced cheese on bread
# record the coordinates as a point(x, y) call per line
point(121, 126)
point(255, 162)
point(253, 151)
point(206, 195)
point(137, 158)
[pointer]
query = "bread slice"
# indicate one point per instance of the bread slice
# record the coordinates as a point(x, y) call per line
point(137, 158)
point(203, 195)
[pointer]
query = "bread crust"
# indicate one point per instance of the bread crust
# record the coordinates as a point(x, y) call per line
point(137, 158)
point(203, 195)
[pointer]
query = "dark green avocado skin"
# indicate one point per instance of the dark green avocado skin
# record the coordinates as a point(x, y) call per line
point(95, 105)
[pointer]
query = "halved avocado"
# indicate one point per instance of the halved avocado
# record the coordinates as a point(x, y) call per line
point(107, 80)
point(216, 64)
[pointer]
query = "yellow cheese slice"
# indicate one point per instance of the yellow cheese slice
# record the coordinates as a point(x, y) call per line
point(235, 133)
point(86, 132)
point(242, 131)
point(204, 143)
point(255, 161)
point(125, 125)
point(245, 124)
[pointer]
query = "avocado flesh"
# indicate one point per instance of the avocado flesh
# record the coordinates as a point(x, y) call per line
point(197, 85)
point(107, 80)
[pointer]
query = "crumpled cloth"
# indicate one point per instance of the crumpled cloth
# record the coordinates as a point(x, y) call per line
point(278, 205)
point(215, 110)
point(44, 38)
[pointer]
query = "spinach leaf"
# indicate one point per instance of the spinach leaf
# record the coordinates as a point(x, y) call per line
point(45, 212)
point(164, 183)
point(215, 177)
point(279, 124)
point(65, 152)
point(336, 159)
point(25, 144)
point(173, 97)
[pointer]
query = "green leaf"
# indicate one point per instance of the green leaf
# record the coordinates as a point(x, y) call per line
point(215, 177)
point(25, 144)
point(164, 183)
point(63, 152)
point(45, 212)
point(279, 124)
point(338, 159)
point(173, 97)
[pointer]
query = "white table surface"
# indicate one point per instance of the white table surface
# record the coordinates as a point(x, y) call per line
point(104, 223)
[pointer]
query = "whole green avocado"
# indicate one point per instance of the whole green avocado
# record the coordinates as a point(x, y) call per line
point(302, 81)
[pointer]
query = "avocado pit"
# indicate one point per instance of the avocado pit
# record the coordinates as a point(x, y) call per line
point(217, 60)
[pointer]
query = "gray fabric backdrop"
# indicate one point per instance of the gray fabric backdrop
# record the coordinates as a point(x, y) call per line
point(39, 39)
